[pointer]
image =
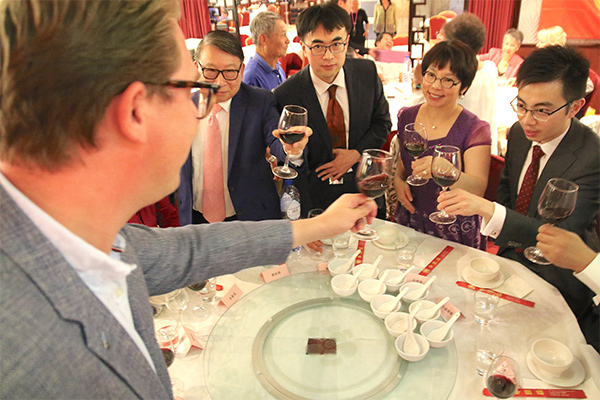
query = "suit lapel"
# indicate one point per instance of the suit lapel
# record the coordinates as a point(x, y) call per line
point(73, 300)
point(237, 113)
point(353, 89)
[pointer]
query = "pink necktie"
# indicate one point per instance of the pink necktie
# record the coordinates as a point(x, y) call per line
point(213, 192)
point(529, 180)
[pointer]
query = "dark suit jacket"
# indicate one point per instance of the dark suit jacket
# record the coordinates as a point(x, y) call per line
point(252, 119)
point(577, 158)
point(58, 341)
point(370, 125)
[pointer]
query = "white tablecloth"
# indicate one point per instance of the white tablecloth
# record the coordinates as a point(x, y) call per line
point(518, 326)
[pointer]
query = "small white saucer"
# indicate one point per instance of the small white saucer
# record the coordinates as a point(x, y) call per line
point(486, 285)
point(571, 377)
point(401, 241)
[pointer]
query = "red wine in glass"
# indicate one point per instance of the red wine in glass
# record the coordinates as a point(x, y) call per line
point(501, 386)
point(444, 180)
point(374, 186)
point(556, 203)
point(446, 166)
point(415, 149)
point(415, 144)
point(169, 356)
point(292, 136)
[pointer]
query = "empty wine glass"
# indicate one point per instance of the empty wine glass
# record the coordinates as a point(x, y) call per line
point(207, 291)
point(177, 302)
point(292, 128)
point(373, 178)
point(446, 166)
point(502, 379)
point(415, 143)
point(556, 203)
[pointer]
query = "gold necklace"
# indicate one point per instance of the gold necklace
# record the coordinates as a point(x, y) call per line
point(441, 123)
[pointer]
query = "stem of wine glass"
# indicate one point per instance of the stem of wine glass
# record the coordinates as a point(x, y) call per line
point(285, 167)
point(443, 212)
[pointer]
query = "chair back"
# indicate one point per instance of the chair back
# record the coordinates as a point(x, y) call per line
point(496, 165)
point(435, 25)
point(401, 40)
point(449, 14)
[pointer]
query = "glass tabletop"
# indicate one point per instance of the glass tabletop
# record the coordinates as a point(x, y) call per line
point(295, 339)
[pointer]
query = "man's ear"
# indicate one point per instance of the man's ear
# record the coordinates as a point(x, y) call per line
point(132, 107)
point(575, 107)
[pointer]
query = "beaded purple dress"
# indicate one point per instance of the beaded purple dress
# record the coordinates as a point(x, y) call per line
point(468, 131)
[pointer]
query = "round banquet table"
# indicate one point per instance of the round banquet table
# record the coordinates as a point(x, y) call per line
point(256, 349)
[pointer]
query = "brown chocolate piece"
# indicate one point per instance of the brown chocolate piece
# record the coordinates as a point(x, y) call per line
point(321, 346)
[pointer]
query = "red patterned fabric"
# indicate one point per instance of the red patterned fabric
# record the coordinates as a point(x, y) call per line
point(335, 120)
point(529, 180)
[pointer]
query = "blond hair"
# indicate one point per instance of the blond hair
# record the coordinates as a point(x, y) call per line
point(552, 36)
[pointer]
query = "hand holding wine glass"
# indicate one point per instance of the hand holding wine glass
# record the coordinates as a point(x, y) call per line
point(446, 167)
point(292, 128)
point(415, 143)
point(373, 177)
point(502, 379)
point(556, 203)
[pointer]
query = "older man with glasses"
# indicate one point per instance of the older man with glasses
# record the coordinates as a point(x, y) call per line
point(547, 142)
point(347, 109)
point(226, 176)
point(107, 138)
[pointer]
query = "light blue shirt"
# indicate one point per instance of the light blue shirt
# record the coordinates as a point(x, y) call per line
point(105, 275)
point(260, 74)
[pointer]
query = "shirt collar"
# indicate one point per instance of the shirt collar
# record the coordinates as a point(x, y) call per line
point(226, 105)
point(549, 147)
point(265, 65)
point(321, 86)
point(82, 256)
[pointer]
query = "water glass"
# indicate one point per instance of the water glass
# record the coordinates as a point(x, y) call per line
point(209, 291)
point(340, 244)
point(405, 254)
point(486, 303)
point(487, 347)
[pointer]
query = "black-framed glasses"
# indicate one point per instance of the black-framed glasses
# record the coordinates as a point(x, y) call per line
point(446, 83)
point(206, 93)
point(540, 114)
point(334, 48)
point(228, 74)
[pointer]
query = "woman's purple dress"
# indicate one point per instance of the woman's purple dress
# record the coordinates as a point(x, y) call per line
point(468, 131)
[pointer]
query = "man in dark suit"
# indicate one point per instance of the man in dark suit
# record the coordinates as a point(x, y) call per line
point(551, 83)
point(364, 113)
point(246, 119)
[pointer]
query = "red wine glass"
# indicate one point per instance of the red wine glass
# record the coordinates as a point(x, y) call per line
point(292, 128)
point(446, 166)
point(373, 177)
point(415, 144)
point(502, 379)
point(556, 203)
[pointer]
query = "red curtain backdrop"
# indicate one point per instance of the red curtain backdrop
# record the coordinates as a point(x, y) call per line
point(497, 16)
point(582, 21)
point(194, 22)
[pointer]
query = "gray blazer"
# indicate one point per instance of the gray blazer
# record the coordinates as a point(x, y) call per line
point(57, 340)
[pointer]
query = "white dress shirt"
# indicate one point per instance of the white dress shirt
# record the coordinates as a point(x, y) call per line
point(590, 276)
point(493, 227)
point(105, 275)
point(198, 158)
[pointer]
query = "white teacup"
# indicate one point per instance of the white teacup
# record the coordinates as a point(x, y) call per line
point(483, 269)
point(551, 357)
point(387, 234)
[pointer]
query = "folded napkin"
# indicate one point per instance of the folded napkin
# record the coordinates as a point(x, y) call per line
point(514, 286)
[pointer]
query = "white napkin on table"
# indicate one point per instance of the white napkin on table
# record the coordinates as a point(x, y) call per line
point(427, 251)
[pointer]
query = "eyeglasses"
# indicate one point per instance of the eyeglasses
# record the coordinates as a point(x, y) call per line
point(228, 74)
point(540, 114)
point(446, 83)
point(334, 48)
point(207, 93)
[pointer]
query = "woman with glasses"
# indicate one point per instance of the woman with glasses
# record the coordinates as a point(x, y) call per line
point(448, 71)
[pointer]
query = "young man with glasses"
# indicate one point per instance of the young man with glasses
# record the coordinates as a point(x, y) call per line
point(547, 142)
point(353, 117)
point(245, 120)
point(108, 137)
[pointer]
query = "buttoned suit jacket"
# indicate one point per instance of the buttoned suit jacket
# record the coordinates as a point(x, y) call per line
point(370, 125)
point(252, 119)
point(577, 158)
point(58, 341)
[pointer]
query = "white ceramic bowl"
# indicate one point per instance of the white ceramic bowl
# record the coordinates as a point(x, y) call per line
point(370, 288)
point(412, 286)
point(381, 299)
point(551, 356)
point(483, 269)
point(387, 234)
point(334, 266)
point(421, 341)
point(430, 326)
point(367, 272)
point(425, 304)
point(344, 284)
point(395, 323)
point(393, 273)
